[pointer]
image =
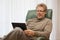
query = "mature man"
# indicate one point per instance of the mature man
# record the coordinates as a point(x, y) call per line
point(36, 27)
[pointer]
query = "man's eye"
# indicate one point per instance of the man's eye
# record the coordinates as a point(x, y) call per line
point(40, 11)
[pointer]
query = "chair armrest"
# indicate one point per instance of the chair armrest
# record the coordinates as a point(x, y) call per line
point(42, 38)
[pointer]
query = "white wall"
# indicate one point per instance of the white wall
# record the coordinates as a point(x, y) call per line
point(58, 22)
point(54, 20)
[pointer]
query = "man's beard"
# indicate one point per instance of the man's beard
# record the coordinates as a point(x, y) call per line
point(40, 18)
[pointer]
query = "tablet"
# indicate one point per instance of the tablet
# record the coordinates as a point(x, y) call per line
point(21, 25)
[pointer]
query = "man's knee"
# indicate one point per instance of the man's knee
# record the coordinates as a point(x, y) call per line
point(17, 29)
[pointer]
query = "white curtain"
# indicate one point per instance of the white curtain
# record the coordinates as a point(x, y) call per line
point(16, 10)
point(5, 17)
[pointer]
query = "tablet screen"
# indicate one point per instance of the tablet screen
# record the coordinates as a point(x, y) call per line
point(21, 25)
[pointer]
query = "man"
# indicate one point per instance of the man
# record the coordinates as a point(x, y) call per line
point(36, 27)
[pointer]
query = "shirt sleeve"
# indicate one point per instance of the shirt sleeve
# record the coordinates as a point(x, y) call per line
point(27, 23)
point(47, 30)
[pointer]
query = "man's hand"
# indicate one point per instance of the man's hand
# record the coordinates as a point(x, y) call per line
point(29, 32)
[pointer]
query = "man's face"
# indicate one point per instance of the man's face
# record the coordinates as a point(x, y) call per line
point(40, 12)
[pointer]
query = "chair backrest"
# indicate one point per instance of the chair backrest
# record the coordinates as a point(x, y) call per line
point(32, 14)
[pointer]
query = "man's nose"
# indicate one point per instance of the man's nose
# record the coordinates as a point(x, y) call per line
point(39, 13)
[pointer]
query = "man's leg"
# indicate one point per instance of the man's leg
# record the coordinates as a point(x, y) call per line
point(16, 34)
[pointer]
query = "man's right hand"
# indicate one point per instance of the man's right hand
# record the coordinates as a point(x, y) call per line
point(29, 32)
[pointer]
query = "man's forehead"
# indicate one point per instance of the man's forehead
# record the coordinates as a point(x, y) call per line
point(39, 8)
